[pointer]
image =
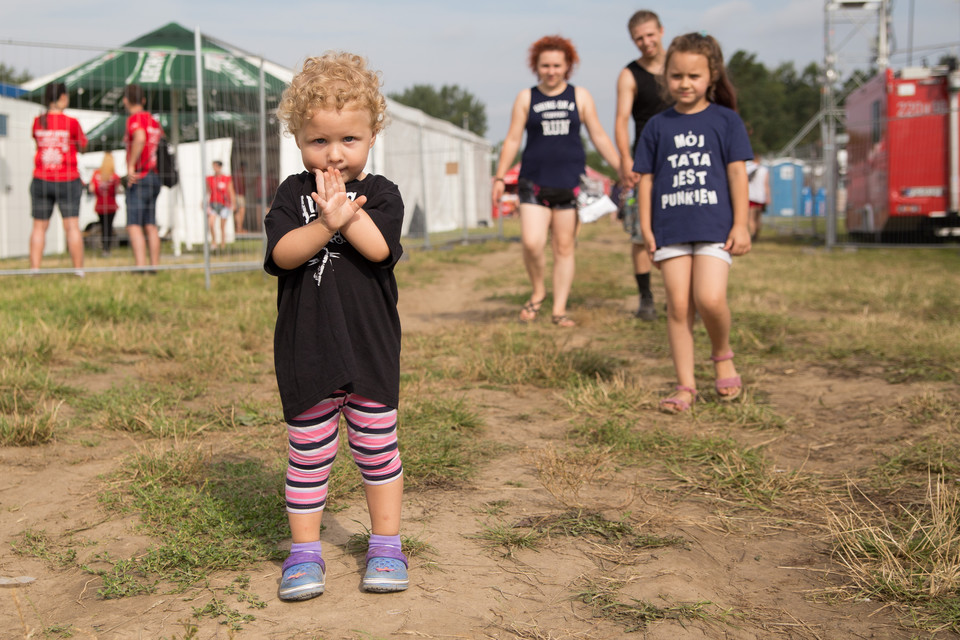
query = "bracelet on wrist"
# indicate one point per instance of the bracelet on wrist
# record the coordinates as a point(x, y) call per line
point(498, 179)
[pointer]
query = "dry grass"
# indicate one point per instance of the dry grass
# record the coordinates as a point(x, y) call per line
point(565, 474)
point(906, 556)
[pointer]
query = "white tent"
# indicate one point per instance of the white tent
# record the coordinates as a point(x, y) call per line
point(443, 171)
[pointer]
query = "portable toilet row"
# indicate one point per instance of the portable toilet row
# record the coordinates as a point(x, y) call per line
point(786, 188)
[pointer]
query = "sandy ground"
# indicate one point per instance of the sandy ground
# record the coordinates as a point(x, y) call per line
point(761, 571)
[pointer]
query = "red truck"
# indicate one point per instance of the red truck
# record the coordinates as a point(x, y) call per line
point(902, 155)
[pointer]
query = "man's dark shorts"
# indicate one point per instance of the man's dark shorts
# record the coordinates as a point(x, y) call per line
point(46, 193)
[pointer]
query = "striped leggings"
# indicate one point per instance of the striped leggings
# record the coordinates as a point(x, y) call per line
point(314, 438)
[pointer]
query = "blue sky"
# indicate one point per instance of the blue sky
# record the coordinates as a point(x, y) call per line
point(480, 46)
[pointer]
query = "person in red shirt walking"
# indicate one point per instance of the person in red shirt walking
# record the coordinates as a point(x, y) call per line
point(143, 182)
point(222, 199)
point(56, 180)
point(104, 185)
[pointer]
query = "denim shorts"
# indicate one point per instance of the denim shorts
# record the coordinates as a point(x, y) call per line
point(45, 193)
point(714, 249)
point(142, 200)
point(220, 210)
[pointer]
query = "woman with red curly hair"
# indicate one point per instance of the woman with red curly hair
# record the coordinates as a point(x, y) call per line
point(551, 113)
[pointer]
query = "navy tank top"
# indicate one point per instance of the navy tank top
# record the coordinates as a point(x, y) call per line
point(554, 155)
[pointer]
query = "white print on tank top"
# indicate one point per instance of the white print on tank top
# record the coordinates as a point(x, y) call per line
point(689, 177)
point(308, 210)
point(556, 116)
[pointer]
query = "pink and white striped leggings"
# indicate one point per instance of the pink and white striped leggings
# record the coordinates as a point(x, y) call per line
point(314, 437)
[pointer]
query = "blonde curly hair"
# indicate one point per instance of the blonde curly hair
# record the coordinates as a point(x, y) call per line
point(335, 80)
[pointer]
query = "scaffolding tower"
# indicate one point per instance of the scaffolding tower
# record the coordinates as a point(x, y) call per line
point(843, 21)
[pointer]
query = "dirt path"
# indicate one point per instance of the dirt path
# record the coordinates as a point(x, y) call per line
point(755, 574)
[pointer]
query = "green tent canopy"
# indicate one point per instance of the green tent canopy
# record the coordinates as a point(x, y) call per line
point(108, 134)
point(163, 63)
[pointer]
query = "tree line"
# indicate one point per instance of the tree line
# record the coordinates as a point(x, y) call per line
point(774, 103)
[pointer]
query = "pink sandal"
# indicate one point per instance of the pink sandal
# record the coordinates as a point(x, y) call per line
point(676, 405)
point(733, 382)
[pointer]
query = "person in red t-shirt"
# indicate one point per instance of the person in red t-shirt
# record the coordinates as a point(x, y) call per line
point(221, 201)
point(143, 182)
point(55, 176)
point(104, 185)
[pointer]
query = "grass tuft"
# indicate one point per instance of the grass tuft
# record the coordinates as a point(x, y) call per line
point(602, 596)
point(909, 556)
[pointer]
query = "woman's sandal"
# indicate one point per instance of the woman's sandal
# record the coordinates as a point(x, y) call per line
point(563, 320)
point(733, 382)
point(674, 404)
point(530, 309)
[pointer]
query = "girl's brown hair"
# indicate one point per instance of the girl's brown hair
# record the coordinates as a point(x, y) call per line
point(554, 43)
point(721, 90)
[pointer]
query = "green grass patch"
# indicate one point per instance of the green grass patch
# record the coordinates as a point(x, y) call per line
point(440, 442)
point(603, 598)
point(206, 514)
point(39, 544)
point(28, 429)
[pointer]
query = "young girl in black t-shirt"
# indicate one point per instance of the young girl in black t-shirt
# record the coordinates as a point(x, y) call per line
point(333, 238)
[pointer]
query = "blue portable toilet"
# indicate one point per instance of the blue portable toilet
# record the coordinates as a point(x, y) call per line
point(786, 183)
point(820, 203)
point(806, 202)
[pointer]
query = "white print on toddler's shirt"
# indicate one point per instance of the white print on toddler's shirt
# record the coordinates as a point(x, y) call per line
point(309, 212)
point(689, 178)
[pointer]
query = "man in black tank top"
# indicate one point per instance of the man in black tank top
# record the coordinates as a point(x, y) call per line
point(638, 98)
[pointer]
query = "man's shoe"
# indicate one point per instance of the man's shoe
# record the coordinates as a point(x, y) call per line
point(647, 310)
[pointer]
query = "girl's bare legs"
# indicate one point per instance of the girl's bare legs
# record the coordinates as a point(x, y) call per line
point(385, 502)
point(534, 226)
point(678, 281)
point(564, 231)
point(710, 277)
point(305, 527)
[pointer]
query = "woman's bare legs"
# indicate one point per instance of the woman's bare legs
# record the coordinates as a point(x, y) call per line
point(564, 228)
point(534, 227)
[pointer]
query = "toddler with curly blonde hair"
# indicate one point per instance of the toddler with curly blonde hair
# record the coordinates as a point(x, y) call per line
point(333, 239)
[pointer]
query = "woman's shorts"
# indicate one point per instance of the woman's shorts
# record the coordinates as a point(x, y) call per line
point(45, 193)
point(142, 200)
point(552, 197)
point(220, 210)
point(714, 249)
